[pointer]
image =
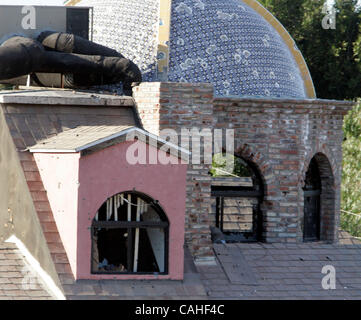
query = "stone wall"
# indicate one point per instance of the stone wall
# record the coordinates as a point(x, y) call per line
point(279, 136)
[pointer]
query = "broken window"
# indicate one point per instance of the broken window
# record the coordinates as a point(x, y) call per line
point(130, 235)
point(237, 193)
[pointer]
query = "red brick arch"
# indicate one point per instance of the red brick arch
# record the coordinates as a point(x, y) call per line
point(247, 153)
point(329, 201)
point(322, 150)
point(258, 160)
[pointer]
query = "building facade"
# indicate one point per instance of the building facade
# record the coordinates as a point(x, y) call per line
point(260, 88)
point(211, 69)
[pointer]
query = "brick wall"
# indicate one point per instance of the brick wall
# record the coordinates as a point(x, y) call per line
point(279, 136)
point(180, 106)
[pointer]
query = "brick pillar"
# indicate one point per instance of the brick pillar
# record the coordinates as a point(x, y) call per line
point(180, 106)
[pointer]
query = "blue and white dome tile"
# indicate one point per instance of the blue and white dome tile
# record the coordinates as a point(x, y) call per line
point(231, 45)
point(224, 42)
point(131, 28)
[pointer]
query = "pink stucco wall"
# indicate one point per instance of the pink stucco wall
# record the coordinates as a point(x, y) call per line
point(89, 180)
point(59, 173)
point(107, 172)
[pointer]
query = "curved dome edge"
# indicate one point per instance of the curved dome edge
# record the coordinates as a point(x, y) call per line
point(163, 47)
point(277, 25)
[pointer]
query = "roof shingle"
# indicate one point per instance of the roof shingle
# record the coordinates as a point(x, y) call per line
point(18, 281)
point(78, 138)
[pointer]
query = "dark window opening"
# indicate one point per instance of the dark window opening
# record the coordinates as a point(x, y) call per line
point(130, 235)
point(312, 203)
point(237, 192)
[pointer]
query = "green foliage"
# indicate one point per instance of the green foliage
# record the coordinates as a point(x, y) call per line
point(227, 165)
point(334, 60)
point(351, 224)
point(6, 87)
point(351, 175)
point(333, 56)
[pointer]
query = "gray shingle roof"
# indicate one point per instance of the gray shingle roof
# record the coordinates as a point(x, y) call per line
point(18, 281)
point(283, 271)
point(79, 138)
point(30, 124)
point(191, 288)
point(243, 271)
point(55, 97)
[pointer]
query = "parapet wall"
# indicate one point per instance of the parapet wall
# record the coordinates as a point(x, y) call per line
point(279, 136)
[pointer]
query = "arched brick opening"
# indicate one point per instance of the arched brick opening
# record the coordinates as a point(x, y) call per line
point(263, 170)
point(257, 162)
point(327, 197)
point(237, 194)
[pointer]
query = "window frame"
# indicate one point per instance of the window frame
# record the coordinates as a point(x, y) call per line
point(131, 226)
point(256, 191)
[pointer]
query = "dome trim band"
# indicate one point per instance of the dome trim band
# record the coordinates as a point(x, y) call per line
point(271, 19)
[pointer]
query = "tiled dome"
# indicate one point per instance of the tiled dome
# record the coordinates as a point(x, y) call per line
point(224, 42)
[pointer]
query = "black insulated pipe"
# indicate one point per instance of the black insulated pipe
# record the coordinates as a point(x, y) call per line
point(84, 63)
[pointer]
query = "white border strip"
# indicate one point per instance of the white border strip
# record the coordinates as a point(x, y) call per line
point(48, 281)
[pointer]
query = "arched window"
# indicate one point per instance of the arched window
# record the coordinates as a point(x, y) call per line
point(312, 203)
point(130, 235)
point(237, 192)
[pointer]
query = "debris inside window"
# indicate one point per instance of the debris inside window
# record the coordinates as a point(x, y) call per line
point(129, 235)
